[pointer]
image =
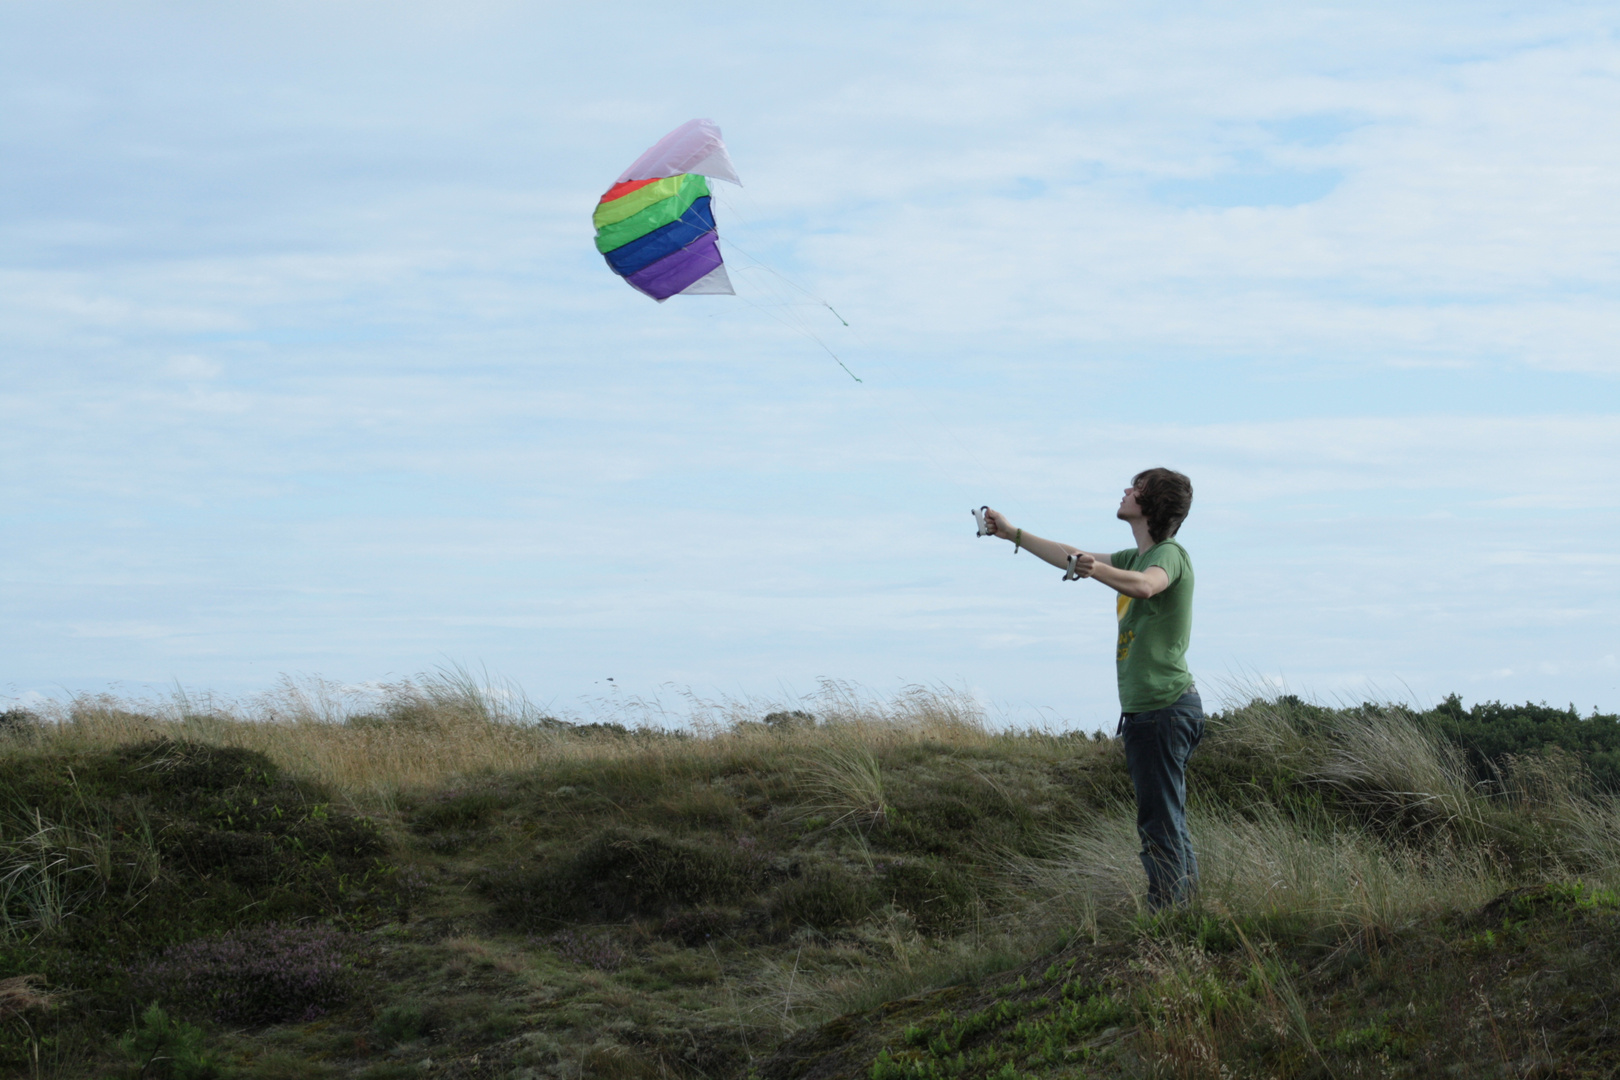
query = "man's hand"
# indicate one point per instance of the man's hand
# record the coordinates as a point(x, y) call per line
point(998, 525)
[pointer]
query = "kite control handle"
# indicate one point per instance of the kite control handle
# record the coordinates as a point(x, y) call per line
point(980, 520)
point(1072, 574)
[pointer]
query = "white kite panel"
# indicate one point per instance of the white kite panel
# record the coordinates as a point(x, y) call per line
point(694, 147)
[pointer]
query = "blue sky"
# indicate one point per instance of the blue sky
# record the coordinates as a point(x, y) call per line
point(309, 366)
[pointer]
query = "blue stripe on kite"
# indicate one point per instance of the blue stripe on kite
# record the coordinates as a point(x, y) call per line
point(643, 251)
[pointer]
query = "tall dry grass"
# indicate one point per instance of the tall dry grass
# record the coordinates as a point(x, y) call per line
point(1267, 866)
point(369, 745)
point(1429, 837)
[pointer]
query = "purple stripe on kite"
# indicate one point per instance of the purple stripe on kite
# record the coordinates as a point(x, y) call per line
point(671, 274)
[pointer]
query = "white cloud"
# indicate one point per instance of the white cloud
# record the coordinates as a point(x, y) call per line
point(192, 366)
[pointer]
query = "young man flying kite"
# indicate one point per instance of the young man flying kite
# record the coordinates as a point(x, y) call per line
point(1161, 714)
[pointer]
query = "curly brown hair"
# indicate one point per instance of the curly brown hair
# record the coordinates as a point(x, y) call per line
point(1165, 496)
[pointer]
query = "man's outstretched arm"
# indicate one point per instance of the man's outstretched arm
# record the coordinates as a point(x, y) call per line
point(1049, 550)
point(1139, 585)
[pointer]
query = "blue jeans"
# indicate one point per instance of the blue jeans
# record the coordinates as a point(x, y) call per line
point(1157, 746)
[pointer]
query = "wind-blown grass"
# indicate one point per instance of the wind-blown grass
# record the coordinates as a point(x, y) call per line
point(1383, 825)
point(371, 744)
point(1275, 871)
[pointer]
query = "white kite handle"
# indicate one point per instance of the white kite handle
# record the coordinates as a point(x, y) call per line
point(979, 519)
point(1070, 574)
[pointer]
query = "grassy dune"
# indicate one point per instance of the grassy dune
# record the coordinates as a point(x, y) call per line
point(438, 880)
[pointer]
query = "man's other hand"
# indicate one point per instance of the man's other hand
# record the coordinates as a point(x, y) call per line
point(1081, 565)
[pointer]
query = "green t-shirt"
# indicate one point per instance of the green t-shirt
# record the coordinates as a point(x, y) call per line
point(1151, 657)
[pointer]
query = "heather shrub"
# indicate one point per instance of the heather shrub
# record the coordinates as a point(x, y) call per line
point(599, 951)
point(698, 926)
point(263, 974)
point(401, 1023)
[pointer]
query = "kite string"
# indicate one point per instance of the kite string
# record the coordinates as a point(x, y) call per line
point(811, 334)
point(802, 327)
point(789, 282)
point(915, 398)
point(732, 201)
point(734, 209)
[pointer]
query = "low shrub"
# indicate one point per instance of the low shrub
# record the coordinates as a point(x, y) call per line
point(1491, 732)
point(159, 1048)
point(932, 892)
point(457, 810)
point(401, 1023)
point(599, 951)
point(698, 926)
point(789, 719)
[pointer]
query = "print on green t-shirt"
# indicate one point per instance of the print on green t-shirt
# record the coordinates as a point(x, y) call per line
point(1151, 655)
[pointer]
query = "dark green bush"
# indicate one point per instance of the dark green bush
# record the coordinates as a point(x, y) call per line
point(787, 721)
point(824, 897)
point(173, 841)
point(598, 728)
point(181, 771)
point(619, 873)
point(933, 892)
point(457, 810)
point(967, 815)
point(1490, 731)
point(17, 722)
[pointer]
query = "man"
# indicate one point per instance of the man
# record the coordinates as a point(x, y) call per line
point(1162, 716)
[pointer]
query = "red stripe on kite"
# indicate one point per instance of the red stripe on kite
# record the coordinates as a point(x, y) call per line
point(619, 191)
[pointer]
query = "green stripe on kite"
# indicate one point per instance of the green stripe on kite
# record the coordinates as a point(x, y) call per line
point(645, 194)
point(692, 188)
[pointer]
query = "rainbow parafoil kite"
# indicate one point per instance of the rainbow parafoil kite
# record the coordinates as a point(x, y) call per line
point(655, 226)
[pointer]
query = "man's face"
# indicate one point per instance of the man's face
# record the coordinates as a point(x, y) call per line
point(1128, 510)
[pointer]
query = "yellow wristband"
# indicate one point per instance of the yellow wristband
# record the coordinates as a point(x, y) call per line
point(1018, 540)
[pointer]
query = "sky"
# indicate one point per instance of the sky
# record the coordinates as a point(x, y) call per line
point(308, 366)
